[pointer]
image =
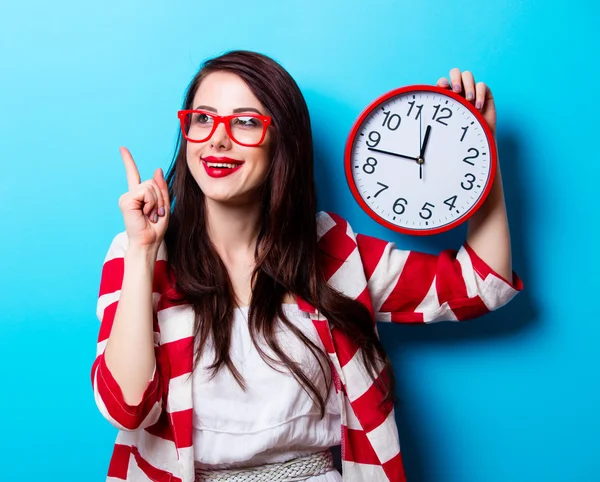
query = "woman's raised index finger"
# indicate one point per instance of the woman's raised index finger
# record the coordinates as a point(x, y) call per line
point(133, 175)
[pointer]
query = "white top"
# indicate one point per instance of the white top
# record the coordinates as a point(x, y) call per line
point(274, 420)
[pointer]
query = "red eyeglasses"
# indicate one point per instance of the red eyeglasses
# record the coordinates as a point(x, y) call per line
point(244, 129)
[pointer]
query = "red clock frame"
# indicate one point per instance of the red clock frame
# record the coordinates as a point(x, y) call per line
point(406, 90)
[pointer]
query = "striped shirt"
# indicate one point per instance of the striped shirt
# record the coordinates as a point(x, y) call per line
point(154, 442)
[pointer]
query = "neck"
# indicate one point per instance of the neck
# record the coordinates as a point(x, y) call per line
point(233, 229)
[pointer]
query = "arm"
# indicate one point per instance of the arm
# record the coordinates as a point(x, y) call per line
point(488, 233)
point(404, 286)
point(413, 287)
point(127, 385)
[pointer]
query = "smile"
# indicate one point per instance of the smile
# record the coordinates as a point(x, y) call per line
point(221, 166)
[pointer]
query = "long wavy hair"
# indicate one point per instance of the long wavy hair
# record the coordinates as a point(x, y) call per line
point(287, 259)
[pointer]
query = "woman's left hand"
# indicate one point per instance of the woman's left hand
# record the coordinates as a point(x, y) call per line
point(479, 94)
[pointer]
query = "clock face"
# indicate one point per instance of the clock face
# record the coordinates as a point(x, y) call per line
point(420, 160)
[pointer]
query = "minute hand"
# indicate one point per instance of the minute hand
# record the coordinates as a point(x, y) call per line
point(393, 154)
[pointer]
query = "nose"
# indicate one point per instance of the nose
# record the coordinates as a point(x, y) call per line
point(220, 138)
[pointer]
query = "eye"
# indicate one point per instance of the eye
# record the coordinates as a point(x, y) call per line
point(248, 122)
point(202, 119)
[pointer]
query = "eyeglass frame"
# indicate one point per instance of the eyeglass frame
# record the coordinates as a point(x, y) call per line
point(225, 119)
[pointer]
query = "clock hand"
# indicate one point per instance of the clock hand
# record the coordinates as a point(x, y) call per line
point(421, 159)
point(427, 131)
point(393, 154)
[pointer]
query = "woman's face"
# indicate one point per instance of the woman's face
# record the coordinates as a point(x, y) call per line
point(225, 93)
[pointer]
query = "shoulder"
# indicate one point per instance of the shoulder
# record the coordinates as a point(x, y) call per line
point(334, 234)
point(339, 255)
point(332, 224)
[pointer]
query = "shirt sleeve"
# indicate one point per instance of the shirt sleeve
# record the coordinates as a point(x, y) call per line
point(107, 392)
point(414, 287)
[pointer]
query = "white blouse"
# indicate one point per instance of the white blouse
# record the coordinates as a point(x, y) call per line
point(274, 420)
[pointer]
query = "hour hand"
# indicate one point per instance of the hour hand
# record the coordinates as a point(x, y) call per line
point(424, 146)
point(393, 154)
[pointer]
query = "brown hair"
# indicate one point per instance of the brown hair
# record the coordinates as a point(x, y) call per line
point(287, 258)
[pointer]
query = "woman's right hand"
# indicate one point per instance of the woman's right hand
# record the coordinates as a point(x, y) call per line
point(146, 206)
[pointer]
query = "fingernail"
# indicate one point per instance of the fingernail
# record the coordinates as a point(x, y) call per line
point(470, 95)
point(456, 88)
point(478, 104)
point(161, 211)
point(445, 83)
point(155, 218)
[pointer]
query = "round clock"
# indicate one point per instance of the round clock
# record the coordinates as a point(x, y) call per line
point(420, 159)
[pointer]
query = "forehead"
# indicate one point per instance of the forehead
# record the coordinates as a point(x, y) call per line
point(225, 91)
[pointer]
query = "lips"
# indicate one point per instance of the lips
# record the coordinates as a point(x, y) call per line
point(218, 167)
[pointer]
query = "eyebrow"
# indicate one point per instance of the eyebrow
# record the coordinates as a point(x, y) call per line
point(235, 111)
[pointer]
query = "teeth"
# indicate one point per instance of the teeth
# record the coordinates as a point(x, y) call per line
point(221, 164)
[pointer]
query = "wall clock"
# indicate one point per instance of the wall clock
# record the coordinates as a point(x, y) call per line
point(420, 159)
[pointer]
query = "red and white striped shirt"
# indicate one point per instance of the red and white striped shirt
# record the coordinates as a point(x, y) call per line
point(155, 437)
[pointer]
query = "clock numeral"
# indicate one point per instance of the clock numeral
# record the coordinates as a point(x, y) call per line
point(451, 201)
point(471, 157)
point(381, 190)
point(391, 120)
point(471, 181)
point(369, 167)
point(439, 119)
point(425, 208)
point(400, 203)
point(374, 138)
point(419, 108)
point(465, 129)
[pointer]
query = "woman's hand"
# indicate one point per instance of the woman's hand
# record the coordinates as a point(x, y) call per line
point(478, 94)
point(145, 207)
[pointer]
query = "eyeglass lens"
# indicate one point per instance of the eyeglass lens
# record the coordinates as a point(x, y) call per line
point(243, 129)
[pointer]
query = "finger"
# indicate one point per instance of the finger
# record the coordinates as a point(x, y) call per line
point(150, 198)
point(469, 85)
point(161, 202)
point(133, 175)
point(159, 179)
point(154, 216)
point(443, 82)
point(481, 94)
point(456, 80)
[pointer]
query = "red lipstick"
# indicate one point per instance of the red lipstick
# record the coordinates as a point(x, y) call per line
point(225, 166)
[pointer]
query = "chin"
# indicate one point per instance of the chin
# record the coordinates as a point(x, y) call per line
point(228, 197)
point(221, 198)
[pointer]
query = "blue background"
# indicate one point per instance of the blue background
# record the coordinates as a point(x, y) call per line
point(514, 396)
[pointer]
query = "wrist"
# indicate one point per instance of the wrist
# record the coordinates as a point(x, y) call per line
point(141, 254)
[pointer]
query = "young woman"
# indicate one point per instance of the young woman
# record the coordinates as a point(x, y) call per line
point(238, 339)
